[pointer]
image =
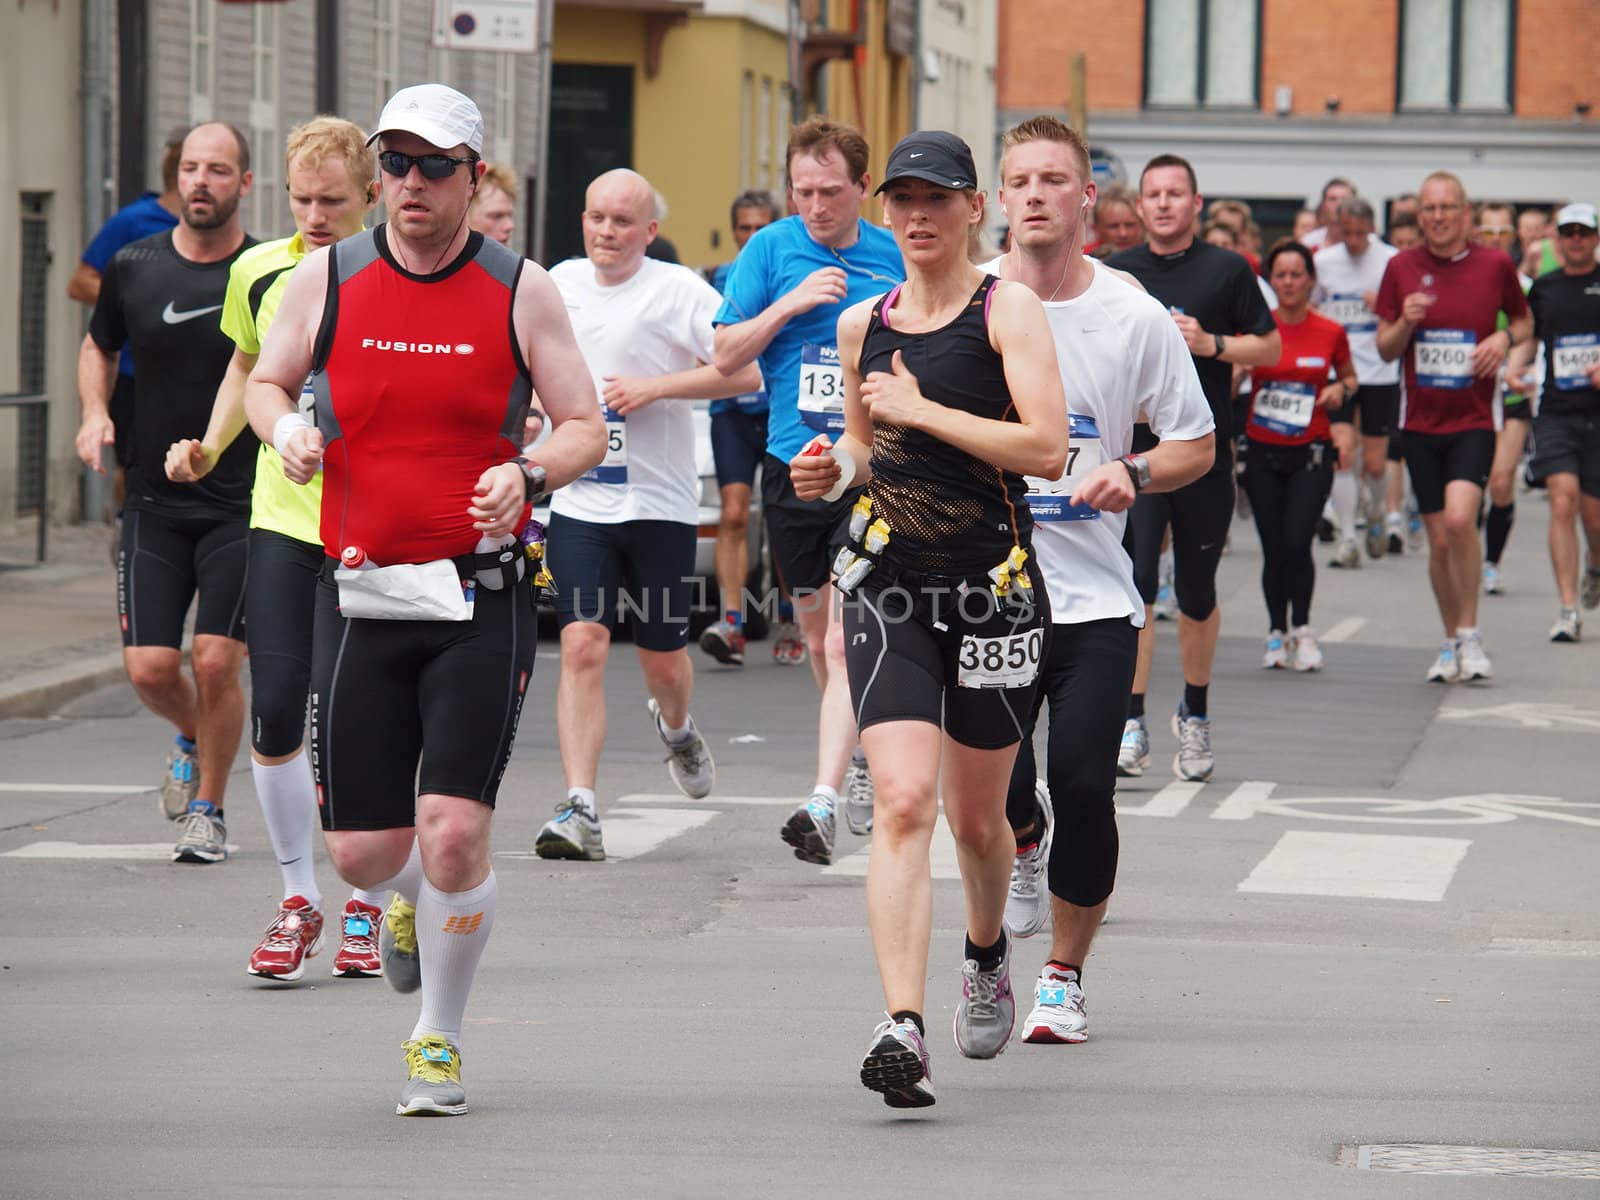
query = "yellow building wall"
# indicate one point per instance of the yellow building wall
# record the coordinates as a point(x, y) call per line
point(872, 91)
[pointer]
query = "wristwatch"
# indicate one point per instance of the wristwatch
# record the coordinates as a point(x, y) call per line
point(1138, 470)
point(1217, 337)
point(533, 480)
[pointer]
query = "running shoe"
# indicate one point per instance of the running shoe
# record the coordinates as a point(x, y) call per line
point(1307, 654)
point(1166, 606)
point(1474, 661)
point(180, 786)
point(574, 832)
point(1133, 756)
point(1415, 536)
point(1447, 667)
point(1060, 1017)
point(1491, 579)
point(1028, 901)
point(1396, 526)
point(1568, 626)
point(1194, 760)
point(359, 956)
point(858, 793)
point(896, 1066)
point(724, 643)
point(988, 1011)
point(1277, 655)
point(688, 762)
point(1590, 597)
point(397, 946)
point(434, 1086)
point(1377, 539)
point(203, 837)
point(788, 647)
point(294, 936)
point(1326, 531)
point(809, 830)
point(1347, 555)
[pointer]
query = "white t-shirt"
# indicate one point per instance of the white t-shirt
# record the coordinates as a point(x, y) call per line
point(1315, 239)
point(1342, 281)
point(1120, 353)
point(657, 323)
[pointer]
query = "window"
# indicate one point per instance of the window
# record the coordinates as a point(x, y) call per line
point(747, 104)
point(202, 60)
point(386, 51)
point(502, 139)
point(1457, 54)
point(764, 133)
point(266, 194)
point(1202, 53)
point(778, 179)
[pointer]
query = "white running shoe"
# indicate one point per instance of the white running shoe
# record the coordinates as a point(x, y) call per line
point(1568, 626)
point(1347, 555)
point(1277, 654)
point(1194, 760)
point(1474, 662)
point(858, 794)
point(1060, 1015)
point(1133, 756)
point(1447, 667)
point(1491, 579)
point(573, 833)
point(1028, 901)
point(689, 761)
point(1307, 654)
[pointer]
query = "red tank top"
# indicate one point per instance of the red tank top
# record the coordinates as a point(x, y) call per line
point(420, 388)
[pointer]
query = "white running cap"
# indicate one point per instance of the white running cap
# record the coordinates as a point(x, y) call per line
point(438, 114)
point(1577, 214)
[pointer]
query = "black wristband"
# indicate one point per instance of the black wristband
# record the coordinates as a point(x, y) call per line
point(534, 481)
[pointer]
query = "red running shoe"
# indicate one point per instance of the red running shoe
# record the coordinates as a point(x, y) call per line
point(358, 943)
point(294, 936)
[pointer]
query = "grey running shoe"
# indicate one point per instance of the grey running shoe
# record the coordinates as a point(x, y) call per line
point(858, 795)
point(434, 1086)
point(896, 1066)
point(724, 643)
point(1059, 1016)
point(1028, 902)
point(809, 830)
point(988, 1011)
point(203, 838)
point(397, 945)
point(1474, 661)
point(1194, 760)
point(181, 784)
point(1133, 756)
point(688, 762)
point(1377, 538)
point(573, 832)
point(1568, 626)
point(1590, 596)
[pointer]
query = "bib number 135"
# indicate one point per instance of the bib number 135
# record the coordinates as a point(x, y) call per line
point(1000, 662)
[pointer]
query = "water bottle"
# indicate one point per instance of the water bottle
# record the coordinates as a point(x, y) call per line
point(354, 558)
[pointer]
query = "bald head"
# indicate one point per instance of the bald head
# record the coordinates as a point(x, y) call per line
point(618, 223)
point(213, 175)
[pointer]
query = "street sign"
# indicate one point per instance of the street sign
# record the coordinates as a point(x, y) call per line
point(510, 26)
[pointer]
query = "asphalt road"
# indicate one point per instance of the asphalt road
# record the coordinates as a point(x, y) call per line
point(1379, 924)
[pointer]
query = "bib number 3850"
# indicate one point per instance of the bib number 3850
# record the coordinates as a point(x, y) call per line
point(1000, 662)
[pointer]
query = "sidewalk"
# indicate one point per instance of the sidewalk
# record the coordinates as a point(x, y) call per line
point(58, 622)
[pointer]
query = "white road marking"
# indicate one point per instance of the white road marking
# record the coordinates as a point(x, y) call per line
point(1369, 866)
point(140, 851)
point(941, 856)
point(1528, 715)
point(1545, 947)
point(745, 739)
point(1243, 801)
point(1344, 630)
point(678, 798)
point(633, 832)
point(1168, 802)
point(80, 789)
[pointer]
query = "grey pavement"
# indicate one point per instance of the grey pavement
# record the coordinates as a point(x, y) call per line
point(687, 1018)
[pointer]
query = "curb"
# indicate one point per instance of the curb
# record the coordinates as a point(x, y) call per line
point(40, 693)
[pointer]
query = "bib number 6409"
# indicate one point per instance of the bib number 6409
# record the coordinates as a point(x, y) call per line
point(1000, 662)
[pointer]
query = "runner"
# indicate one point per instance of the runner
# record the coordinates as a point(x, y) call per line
point(159, 297)
point(624, 533)
point(1116, 221)
point(494, 204)
point(1438, 306)
point(1119, 353)
point(1348, 272)
point(1495, 229)
point(1334, 193)
point(781, 304)
point(952, 395)
point(331, 189)
point(1403, 233)
point(1216, 305)
point(1566, 433)
point(423, 340)
point(1292, 452)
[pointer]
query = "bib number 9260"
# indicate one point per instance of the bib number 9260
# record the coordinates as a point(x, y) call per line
point(1000, 662)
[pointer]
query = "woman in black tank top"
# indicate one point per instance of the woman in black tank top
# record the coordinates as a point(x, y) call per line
point(952, 395)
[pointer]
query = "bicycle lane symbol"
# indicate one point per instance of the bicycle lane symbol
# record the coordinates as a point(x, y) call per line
point(1253, 798)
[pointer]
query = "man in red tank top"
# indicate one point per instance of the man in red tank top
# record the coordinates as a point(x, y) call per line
point(423, 343)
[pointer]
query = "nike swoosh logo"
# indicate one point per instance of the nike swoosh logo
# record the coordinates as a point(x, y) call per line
point(918, 154)
point(172, 316)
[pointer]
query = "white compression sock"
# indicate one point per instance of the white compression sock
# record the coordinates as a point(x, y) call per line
point(289, 806)
point(1344, 503)
point(371, 898)
point(1372, 489)
point(452, 930)
point(409, 881)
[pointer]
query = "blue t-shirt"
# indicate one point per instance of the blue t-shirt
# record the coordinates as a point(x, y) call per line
point(772, 264)
point(750, 402)
point(128, 224)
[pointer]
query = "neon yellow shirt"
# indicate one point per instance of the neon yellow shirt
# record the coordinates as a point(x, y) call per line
point(255, 286)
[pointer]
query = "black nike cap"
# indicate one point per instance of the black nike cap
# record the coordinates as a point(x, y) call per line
point(934, 156)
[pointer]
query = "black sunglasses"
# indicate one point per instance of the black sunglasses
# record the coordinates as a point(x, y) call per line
point(1576, 231)
point(432, 166)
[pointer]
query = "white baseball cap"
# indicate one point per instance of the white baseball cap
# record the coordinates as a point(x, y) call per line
point(1577, 214)
point(438, 114)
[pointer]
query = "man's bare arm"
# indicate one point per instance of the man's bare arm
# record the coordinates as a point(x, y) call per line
point(273, 389)
point(97, 373)
point(84, 286)
point(577, 440)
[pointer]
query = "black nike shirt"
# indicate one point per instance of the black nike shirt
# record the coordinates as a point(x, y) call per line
point(167, 310)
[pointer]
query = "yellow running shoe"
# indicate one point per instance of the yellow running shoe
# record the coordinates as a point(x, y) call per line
point(397, 944)
point(434, 1088)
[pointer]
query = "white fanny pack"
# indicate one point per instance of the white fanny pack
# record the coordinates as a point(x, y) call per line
point(430, 591)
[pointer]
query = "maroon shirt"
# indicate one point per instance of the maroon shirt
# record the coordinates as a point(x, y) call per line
point(1442, 395)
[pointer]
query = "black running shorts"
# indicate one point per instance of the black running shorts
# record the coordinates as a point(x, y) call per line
point(165, 559)
point(1436, 459)
point(280, 597)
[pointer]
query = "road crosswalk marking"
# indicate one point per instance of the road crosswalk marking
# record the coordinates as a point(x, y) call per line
point(140, 851)
point(1371, 866)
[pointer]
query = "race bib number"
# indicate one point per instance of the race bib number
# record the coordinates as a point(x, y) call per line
point(1284, 407)
point(1011, 661)
point(821, 388)
point(1351, 311)
point(1051, 499)
point(613, 467)
point(308, 399)
point(1443, 357)
point(1575, 356)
